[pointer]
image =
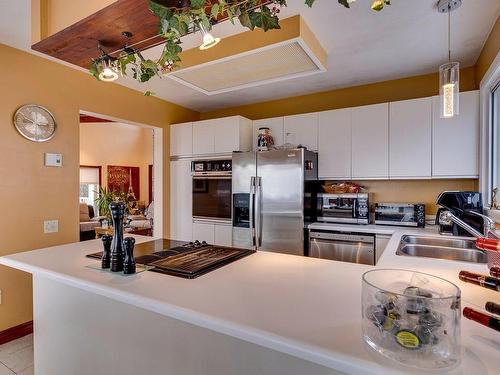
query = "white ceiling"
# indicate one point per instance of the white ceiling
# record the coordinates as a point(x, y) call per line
point(405, 39)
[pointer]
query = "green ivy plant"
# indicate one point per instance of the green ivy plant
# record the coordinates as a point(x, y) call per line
point(175, 22)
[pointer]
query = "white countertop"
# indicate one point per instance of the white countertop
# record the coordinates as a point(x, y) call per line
point(309, 308)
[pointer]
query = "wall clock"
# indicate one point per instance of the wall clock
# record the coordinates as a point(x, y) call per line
point(35, 123)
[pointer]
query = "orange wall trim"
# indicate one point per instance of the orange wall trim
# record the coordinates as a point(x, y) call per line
point(33, 193)
point(489, 52)
point(380, 92)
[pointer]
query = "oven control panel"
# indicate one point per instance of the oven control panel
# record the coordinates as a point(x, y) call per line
point(211, 166)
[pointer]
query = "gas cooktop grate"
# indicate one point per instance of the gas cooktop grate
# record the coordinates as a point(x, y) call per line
point(198, 262)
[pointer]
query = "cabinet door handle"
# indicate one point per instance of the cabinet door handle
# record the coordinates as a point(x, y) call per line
point(252, 211)
point(258, 214)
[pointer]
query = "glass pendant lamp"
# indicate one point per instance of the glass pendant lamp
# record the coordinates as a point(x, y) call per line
point(449, 75)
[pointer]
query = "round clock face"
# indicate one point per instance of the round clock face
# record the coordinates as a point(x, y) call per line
point(35, 123)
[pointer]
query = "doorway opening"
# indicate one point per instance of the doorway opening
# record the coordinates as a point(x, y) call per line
point(119, 160)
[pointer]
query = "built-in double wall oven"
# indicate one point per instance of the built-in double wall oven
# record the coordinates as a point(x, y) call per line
point(212, 190)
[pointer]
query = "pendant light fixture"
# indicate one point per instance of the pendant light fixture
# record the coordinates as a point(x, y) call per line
point(209, 40)
point(108, 71)
point(106, 66)
point(449, 73)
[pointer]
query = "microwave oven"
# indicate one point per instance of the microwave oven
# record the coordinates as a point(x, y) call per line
point(404, 214)
point(351, 208)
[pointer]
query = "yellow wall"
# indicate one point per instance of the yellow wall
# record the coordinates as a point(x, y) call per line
point(489, 52)
point(409, 191)
point(132, 146)
point(31, 192)
point(64, 13)
point(381, 92)
point(424, 191)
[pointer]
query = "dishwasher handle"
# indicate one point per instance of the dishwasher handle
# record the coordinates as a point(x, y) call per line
point(347, 237)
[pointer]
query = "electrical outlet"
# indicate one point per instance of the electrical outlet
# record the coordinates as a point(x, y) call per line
point(51, 226)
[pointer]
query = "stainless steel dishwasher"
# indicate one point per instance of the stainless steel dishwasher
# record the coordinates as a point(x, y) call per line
point(342, 246)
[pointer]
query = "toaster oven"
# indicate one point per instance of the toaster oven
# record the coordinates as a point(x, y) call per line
point(404, 214)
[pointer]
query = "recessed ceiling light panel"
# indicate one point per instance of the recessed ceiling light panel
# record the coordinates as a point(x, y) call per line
point(273, 63)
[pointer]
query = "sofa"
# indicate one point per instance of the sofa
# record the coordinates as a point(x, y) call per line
point(142, 221)
point(88, 222)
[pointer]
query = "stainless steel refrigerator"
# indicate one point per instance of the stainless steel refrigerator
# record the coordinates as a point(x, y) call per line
point(268, 199)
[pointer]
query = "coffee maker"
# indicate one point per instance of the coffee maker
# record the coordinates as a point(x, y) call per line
point(461, 204)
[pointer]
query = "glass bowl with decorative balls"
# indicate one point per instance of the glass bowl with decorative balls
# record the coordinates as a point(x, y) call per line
point(265, 140)
point(412, 318)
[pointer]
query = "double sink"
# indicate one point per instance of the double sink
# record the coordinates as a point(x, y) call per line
point(459, 249)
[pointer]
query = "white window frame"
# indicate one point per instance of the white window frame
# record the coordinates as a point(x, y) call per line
point(489, 81)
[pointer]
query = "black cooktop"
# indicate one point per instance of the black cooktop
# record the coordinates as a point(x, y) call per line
point(188, 260)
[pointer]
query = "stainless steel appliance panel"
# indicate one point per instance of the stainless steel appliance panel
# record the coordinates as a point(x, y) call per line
point(279, 201)
point(344, 247)
point(244, 173)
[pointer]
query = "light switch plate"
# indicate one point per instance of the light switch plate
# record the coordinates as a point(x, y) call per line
point(51, 226)
point(53, 160)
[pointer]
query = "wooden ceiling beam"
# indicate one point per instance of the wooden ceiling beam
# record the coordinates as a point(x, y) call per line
point(77, 44)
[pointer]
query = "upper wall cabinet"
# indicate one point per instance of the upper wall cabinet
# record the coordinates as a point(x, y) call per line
point(410, 137)
point(455, 141)
point(222, 135)
point(276, 127)
point(370, 141)
point(303, 130)
point(181, 139)
point(334, 141)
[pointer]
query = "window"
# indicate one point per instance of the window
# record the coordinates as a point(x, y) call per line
point(489, 177)
point(495, 137)
point(89, 184)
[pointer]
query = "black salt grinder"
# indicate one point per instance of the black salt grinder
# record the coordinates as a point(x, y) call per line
point(117, 210)
point(106, 254)
point(129, 262)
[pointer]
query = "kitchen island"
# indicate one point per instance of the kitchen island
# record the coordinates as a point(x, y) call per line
point(264, 314)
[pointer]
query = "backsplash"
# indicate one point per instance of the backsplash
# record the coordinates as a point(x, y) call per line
point(414, 191)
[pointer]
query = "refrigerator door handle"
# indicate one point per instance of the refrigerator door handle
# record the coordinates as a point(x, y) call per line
point(258, 207)
point(251, 209)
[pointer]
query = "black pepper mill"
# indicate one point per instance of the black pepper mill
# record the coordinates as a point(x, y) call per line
point(106, 254)
point(117, 210)
point(129, 262)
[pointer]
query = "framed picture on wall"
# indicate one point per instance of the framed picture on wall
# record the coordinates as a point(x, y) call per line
point(124, 179)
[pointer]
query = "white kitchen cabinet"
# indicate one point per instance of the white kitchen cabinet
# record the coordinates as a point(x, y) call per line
point(215, 234)
point(181, 139)
point(203, 232)
point(223, 235)
point(276, 127)
point(223, 135)
point(334, 144)
point(381, 242)
point(410, 135)
point(370, 141)
point(455, 141)
point(204, 137)
point(181, 203)
point(302, 129)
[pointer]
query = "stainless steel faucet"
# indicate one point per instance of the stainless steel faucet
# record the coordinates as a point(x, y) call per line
point(489, 226)
point(447, 217)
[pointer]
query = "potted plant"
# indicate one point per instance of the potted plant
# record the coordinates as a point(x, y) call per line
point(105, 197)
